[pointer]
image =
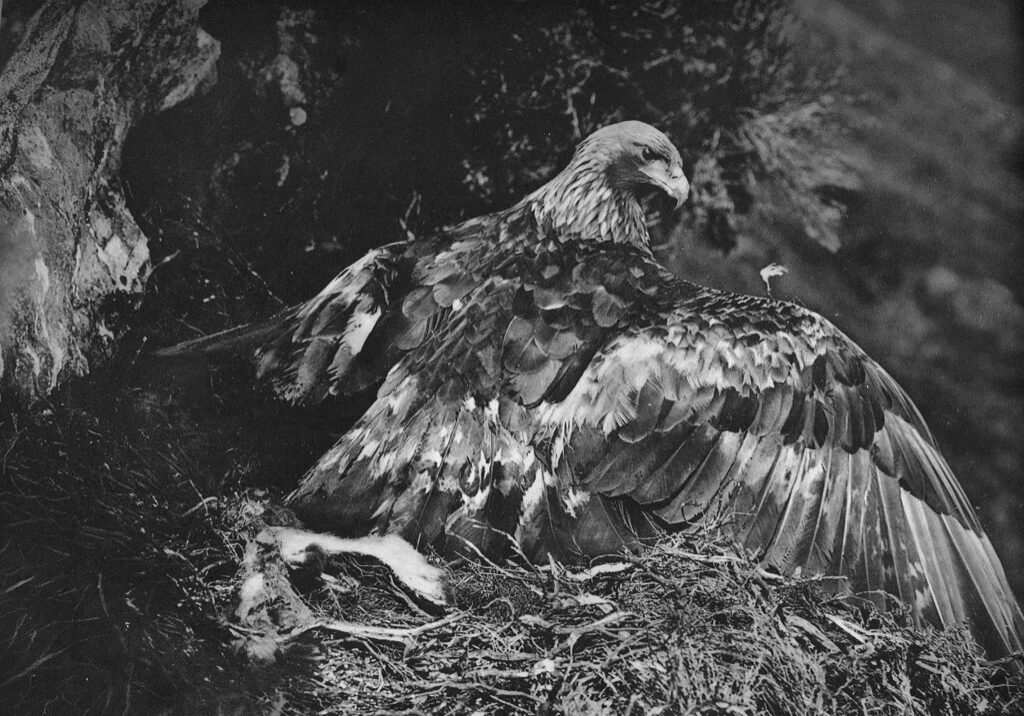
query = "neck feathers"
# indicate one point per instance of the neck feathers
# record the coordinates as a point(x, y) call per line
point(581, 203)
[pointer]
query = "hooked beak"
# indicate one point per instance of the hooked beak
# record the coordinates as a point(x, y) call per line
point(674, 184)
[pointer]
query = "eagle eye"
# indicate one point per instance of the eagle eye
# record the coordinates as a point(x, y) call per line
point(649, 154)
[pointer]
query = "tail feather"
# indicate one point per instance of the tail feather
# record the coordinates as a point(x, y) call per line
point(312, 350)
point(238, 341)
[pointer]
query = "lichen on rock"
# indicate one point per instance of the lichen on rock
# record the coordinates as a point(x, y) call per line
point(67, 239)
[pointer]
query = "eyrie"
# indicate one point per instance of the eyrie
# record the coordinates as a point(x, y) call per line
point(544, 386)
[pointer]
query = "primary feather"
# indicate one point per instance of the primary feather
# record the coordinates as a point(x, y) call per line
point(546, 387)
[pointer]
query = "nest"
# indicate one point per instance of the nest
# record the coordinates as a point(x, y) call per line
point(129, 586)
point(688, 627)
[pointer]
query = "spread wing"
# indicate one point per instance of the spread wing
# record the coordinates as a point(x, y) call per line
point(312, 350)
point(387, 303)
point(761, 416)
point(316, 350)
point(576, 399)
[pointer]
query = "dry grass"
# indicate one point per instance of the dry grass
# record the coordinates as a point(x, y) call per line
point(108, 577)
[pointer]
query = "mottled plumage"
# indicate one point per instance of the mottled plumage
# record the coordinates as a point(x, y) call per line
point(546, 387)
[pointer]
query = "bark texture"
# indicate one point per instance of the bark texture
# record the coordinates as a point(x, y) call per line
point(83, 74)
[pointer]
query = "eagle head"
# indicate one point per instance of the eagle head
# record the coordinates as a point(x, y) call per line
point(597, 196)
point(635, 155)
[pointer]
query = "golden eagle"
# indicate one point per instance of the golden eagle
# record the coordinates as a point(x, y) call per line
point(545, 386)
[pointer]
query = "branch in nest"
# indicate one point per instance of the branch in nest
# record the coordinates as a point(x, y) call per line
point(405, 636)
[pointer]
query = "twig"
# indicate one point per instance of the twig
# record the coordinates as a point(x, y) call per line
point(376, 633)
point(437, 686)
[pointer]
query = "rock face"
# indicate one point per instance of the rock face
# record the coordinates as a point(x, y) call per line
point(82, 75)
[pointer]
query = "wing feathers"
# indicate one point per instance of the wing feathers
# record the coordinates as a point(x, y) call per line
point(771, 502)
point(697, 490)
point(821, 536)
point(576, 398)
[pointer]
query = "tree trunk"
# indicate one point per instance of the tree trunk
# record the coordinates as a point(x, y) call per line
point(83, 74)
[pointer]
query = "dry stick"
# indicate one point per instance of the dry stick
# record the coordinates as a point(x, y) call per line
point(437, 686)
point(596, 625)
point(368, 631)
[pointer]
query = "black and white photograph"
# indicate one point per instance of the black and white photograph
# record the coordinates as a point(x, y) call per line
point(594, 357)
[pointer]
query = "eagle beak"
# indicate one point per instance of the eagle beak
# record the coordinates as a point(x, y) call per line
point(678, 187)
point(674, 184)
